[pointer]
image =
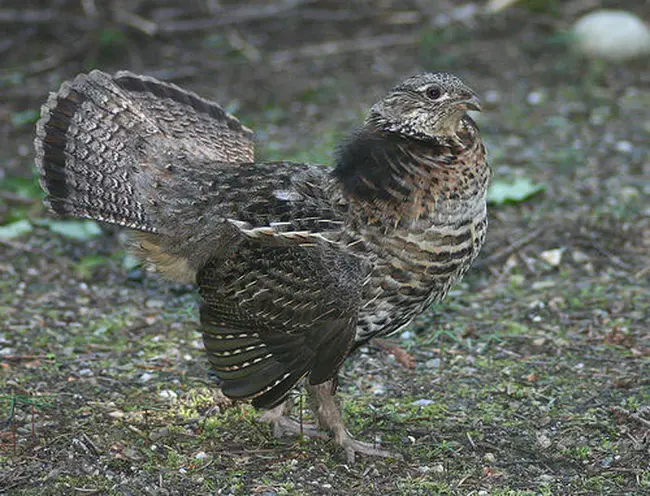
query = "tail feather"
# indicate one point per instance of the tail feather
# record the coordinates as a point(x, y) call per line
point(96, 132)
point(86, 155)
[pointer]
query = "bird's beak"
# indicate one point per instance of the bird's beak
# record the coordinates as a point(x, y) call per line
point(471, 103)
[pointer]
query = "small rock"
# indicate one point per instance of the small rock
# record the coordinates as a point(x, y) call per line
point(623, 146)
point(158, 434)
point(378, 389)
point(614, 35)
point(438, 468)
point(630, 193)
point(492, 96)
point(116, 414)
point(543, 441)
point(552, 257)
point(434, 363)
point(422, 402)
point(85, 372)
point(146, 377)
point(489, 458)
point(201, 455)
point(168, 394)
point(535, 97)
point(579, 256)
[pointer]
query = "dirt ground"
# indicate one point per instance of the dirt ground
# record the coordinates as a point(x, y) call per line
point(533, 377)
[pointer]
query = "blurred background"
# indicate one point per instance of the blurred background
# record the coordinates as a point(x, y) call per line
point(532, 376)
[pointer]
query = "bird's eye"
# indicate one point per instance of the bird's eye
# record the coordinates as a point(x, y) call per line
point(433, 92)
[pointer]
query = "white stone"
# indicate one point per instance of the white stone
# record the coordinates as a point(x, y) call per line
point(168, 394)
point(614, 35)
point(552, 257)
point(146, 377)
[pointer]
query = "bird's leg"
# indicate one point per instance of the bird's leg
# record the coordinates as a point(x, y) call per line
point(286, 426)
point(328, 413)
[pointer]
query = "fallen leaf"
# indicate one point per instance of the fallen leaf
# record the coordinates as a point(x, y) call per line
point(80, 230)
point(502, 192)
point(15, 229)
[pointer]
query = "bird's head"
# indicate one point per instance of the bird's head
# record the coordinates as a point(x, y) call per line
point(426, 105)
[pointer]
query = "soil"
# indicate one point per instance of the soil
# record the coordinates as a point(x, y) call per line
point(532, 377)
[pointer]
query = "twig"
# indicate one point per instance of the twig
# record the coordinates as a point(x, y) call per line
point(515, 246)
point(344, 46)
point(235, 16)
point(18, 358)
point(49, 63)
point(617, 410)
point(150, 28)
point(46, 16)
point(603, 251)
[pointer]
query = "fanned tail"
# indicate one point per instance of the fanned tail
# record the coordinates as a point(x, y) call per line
point(86, 153)
point(100, 139)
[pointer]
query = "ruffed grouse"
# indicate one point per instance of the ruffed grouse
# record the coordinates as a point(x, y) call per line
point(297, 264)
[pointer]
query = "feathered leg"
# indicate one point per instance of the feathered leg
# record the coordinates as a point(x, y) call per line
point(328, 413)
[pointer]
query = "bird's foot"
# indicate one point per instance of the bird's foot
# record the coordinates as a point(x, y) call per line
point(352, 447)
point(328, 414)
point(285, 426)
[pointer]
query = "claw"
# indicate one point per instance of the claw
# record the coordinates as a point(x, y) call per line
point(328, 413)
point(352, 447)
point(285, 426)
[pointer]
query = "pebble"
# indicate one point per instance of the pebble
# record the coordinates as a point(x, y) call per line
point(168, 394)
point(580, 256)
point(379, 389)
point(543, 441)
point(536, 97)
point(201, 455)
point(434, 363)
point(492, 96)
point(146, 377)
point(552, 257)
point(614, 35)
point(422, 402)
point(630, 193)
point(489, 458)
point(624, 147)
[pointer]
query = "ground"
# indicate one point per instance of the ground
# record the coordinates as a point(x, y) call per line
point(532, 377)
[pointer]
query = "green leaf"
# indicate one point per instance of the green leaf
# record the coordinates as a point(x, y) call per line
point(15, 229)
point(81, 230)
point(25, 117)
point(87, 265)
point(23, 186)
point(130, 262)
point(502, 192)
